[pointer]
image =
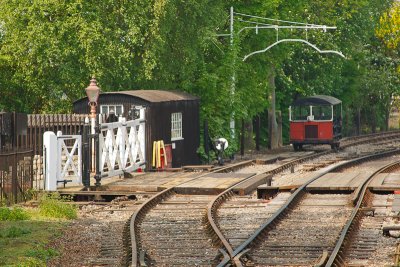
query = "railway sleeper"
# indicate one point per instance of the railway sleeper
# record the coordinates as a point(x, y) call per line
point(284, 260)
point(386, 229)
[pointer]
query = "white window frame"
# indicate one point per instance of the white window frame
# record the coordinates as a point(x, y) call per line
point(176, 126)
point(112, 106)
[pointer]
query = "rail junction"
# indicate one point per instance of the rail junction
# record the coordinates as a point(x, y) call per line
point(309, 208)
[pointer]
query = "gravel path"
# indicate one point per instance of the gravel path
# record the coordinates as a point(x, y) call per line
point(96, 237)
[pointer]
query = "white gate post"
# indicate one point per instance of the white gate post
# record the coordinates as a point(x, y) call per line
point(50, 161)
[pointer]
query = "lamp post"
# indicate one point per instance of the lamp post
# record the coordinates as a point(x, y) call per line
point(93, 92)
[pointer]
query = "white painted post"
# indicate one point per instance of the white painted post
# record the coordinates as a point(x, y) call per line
point(50, 157)
point(141, 113)
point(142, 136)
point(121, 134)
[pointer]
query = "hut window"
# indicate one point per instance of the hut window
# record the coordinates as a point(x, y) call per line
point(176, 126)
point(118, 109)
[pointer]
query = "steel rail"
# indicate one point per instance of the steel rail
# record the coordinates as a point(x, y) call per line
point(134, 221)
point(337, 256)
point(214, 205)
point(146, 206)
point(296, 197)
point(375, 137)
point(371, 135)
point(232, 167)
point(211, 210)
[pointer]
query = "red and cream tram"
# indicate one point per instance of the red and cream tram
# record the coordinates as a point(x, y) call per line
point(315, 120)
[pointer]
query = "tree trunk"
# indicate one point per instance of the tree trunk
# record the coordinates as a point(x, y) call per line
point(242, 139)
point(373, 121)
point(387, 120)
point(273, 125)
point(279, 120)
point(358, 130)
point(248, 135)
point(256, 123)
point(387, 113)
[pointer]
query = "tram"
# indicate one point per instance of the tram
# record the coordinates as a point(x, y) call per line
point(316, 120)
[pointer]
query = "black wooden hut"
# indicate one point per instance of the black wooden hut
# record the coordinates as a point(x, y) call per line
point(170, 116)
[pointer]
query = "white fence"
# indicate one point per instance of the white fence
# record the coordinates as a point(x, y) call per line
point(62, 160)
point(122, 146)
point(121, 149)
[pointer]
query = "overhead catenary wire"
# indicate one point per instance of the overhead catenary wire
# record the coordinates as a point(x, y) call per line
point(276, 20)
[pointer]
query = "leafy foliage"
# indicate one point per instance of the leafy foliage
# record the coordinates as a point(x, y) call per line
point(13, 214)
point(389, 28)
point(49, 49)
point(55, 206)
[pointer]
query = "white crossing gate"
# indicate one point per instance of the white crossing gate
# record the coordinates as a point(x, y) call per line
point(62, 159)
point(122, 146)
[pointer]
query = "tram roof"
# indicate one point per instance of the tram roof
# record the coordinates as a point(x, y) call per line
point(316, 100)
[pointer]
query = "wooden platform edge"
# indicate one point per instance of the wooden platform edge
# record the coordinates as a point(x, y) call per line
point(252, 184)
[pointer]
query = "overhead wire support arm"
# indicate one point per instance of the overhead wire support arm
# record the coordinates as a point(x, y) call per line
point(277, 24)
point(295, 40)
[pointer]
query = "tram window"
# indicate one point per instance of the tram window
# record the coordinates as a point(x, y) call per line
point(300, 113)
point(322, 112)
point(337, 111)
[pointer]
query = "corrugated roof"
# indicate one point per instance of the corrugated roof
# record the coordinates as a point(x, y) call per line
point(157, 95)
point(317, 100)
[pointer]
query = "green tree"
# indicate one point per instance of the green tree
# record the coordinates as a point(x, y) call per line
point(49, 49)
point(52, 48)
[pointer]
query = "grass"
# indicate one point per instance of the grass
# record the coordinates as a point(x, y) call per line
point(13, 214)
point(25, 232)
point(55, 206)
point(23, 243)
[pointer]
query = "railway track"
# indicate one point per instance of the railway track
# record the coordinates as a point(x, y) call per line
point(174, 233)
point(307, 231)
point(239, 216)
point(111, 223)
point(294, 252)
point(229, 213)
point(355, 242)
point(203, 217)
point(368, 239)
point(185, 235)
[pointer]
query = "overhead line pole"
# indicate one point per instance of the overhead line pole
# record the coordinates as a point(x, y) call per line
point(261, 26)
point(232, 122)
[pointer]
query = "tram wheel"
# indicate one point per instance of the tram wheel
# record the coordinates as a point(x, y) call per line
point(335, 146)
point(297, 147)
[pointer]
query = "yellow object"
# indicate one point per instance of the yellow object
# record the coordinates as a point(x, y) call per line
point(164, 153)
point(154, 154)
point(158, 154)
point(157, 146)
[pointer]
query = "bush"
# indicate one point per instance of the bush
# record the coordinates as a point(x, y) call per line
point(55, 206)
point(13, 214)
